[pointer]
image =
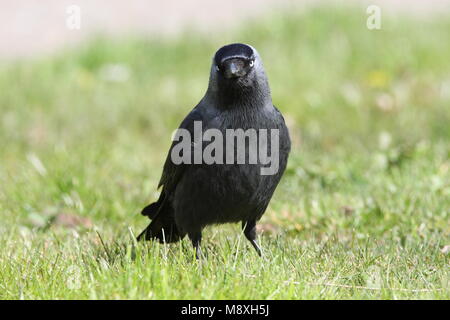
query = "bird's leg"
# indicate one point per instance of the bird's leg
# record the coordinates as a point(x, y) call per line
point(196, 239)
point(250, 233)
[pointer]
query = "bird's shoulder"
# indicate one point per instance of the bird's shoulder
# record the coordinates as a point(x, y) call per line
point(202, 112)
point(278, 113)
point(281, 124)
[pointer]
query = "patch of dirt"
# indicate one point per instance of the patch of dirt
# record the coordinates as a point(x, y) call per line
point(67, 220)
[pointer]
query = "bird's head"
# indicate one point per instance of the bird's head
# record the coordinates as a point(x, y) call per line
point(234, 61)
point(237, 72)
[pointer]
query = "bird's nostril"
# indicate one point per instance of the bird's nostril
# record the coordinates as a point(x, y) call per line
point(234, 68)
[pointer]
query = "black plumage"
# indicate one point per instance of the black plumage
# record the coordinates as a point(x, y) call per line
point(196, 195)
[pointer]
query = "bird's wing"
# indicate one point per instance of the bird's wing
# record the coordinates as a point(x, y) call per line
point(172, 172)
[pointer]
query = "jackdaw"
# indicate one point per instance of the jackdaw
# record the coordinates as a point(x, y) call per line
point(197, 194)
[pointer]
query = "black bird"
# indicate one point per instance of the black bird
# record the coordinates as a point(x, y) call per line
point(196, 195)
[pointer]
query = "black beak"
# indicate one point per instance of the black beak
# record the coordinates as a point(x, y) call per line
point(234, 68)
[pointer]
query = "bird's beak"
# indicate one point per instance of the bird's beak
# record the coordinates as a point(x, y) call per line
point(234, 68)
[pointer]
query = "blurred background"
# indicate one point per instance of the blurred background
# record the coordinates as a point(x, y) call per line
point(88, 103)
point(30, 27)
point(91, 91)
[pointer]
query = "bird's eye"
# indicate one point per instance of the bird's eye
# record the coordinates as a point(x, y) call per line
point(252, 62)
point(217, 68)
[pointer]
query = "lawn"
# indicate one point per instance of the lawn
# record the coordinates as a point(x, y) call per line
point(363, 209)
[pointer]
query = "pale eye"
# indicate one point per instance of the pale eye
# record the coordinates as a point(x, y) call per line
point(251, 63)
point(217, 68)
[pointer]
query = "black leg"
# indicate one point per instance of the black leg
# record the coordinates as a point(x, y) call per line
point(196, 239)
point(250, 233)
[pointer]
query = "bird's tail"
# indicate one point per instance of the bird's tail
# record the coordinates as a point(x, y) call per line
point(163, 225)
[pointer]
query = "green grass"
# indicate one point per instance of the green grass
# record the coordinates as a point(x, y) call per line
point(362, 211)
